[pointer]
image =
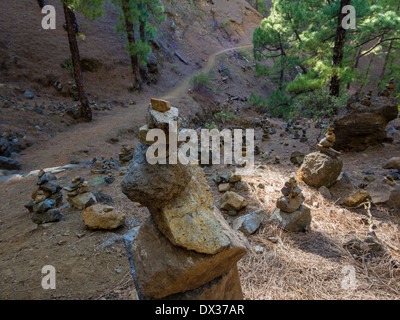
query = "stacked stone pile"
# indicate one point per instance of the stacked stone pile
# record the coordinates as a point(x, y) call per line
point(79, 195)
point(46, 198)
point(290, 213)
point(185, 249)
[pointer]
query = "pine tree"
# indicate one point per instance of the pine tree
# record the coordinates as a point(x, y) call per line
point(138, 21)
point(91, 9)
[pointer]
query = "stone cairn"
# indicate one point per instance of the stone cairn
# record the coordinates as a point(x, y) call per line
point(126, 155)
point(388, 90)
point(322, 168)
point(185, 249)
point(79, 195)
point(290, 213)
point(45, 200)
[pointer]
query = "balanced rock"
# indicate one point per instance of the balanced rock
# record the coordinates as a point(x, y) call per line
point(249, 223)
point(125, 155)
point(160, 105)
point(163, 269)
point(161, 120)
point(79, 195)
point(153, 185)
point(319, 169)
point(99, 216)
point(233, 201)
point(190, 219)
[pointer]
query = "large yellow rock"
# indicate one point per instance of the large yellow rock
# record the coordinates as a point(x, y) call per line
point(160, 105)
point(190, 219)
point(233, 201)
point(103, 217)
point(357, 198)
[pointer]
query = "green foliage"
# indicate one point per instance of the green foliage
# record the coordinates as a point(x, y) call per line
point(200, 81)
point(92, 9)
point(226, 116)
point(317, 104)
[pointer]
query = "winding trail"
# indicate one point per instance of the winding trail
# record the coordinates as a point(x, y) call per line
point(91, 138)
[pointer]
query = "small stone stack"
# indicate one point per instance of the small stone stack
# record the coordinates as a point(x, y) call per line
point(79, 195)
point(322, 168)
point(326, 144)
point(45, 200)
point(98, 166)
point(186, 249)
point(126, 155)
point(389, 89)
point(291, 214)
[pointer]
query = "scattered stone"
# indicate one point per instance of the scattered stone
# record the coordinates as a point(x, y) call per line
point(297, 157)
point(242, 185)
point(393, 163)
point(258, 249)
point(223, 187)
point(357, 198)
point(9, 164)
point(233, 201)
point(28, 95)
point(273, 239)
point(249, 223)
point(99, 216)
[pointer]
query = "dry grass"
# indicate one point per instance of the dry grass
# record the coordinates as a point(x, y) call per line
point(310, 266)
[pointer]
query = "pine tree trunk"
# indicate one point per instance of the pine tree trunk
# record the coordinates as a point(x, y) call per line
point(385, 64)
point(86, 112)
point(338, 49)
point(41, 3)
point(130, 34)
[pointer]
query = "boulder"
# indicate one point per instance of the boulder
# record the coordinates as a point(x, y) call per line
point(319, 169)
point(100, 216)
point(191, 221)
point(163, 269)
point(359, 126)
point(153, 185)
point(161, 120)
point(233, 201)
point(9, 164)
point(249, 223)
point(298, 221)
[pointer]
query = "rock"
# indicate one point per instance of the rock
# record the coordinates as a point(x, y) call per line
point(28, 95)
point(359, 126)
point(242, 185)
point(379, 191)
point(5, 147)
point(298, 221)
point(190, 219)
point(9, 164)
point(319, 170)
point(235, 178)
point(223, 177)
point(160, 105)
point(232, 201)
point(163, 269)
point(52, 215)
point(324, 191)
point(225, 287)
point(82, 201)
point(161, 120)
point(297, 157)
point(103, 198)
point(249, 223)
point(143, 134)
point(99, 216)
point(394, 199)
point(153, 185)
point(393, 163)
point(223, 187)
point(258, 249)
point(290, 205)
point(51, 187)
point(357, 198)
point(44, 206)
